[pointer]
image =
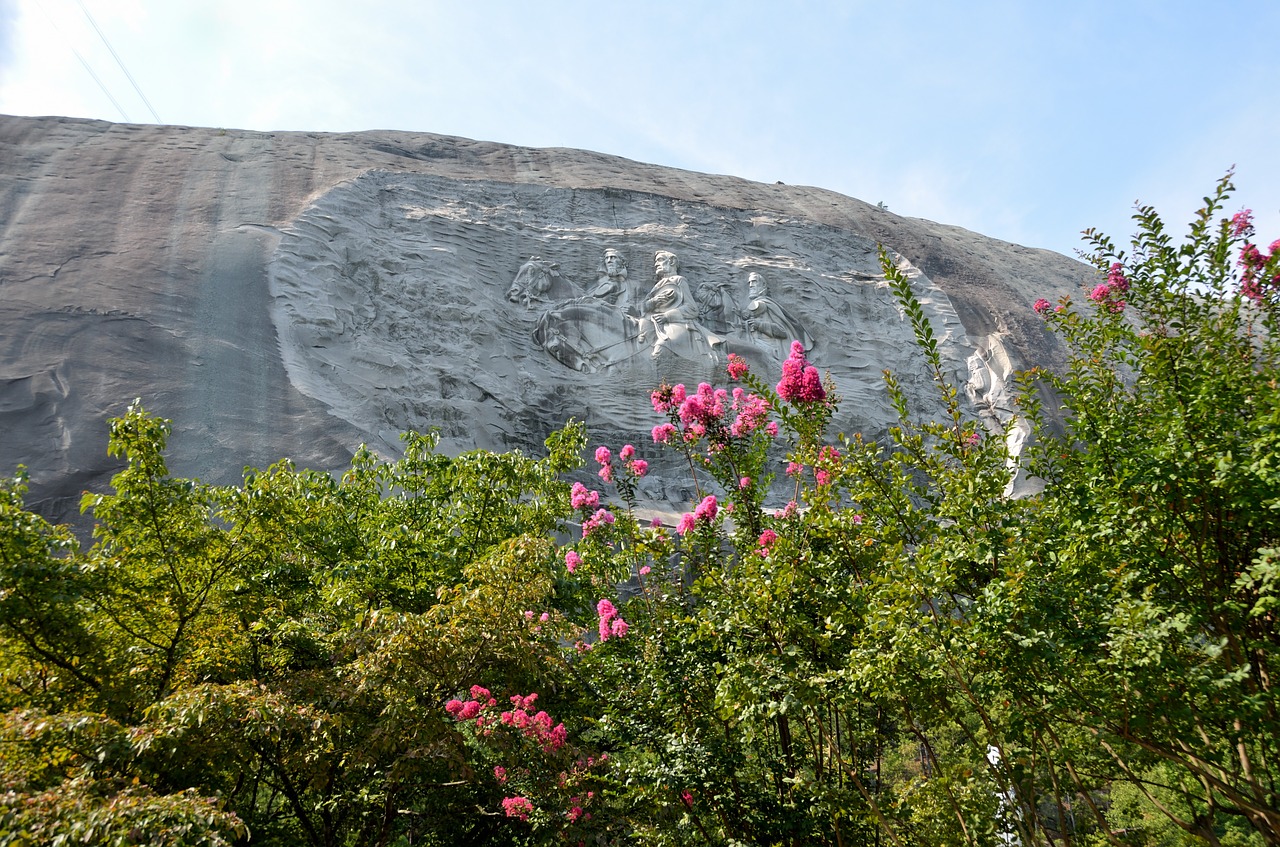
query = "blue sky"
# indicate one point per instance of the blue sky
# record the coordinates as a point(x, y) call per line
point(1027, 121)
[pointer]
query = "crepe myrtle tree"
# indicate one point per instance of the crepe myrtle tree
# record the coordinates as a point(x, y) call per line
point(902, 652)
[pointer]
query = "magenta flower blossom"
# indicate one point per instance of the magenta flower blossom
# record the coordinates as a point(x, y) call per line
point(469, 710)
point(704, 409)
point(602, 517)
point(823, 477)
point(606, 473)
point(638, 467)
point(787, 511)
point(644, 570)
point(500, 773)
point(611, 625)
point(794, 469)
point(972, 439)
point(737, 367)
point(581, 497)
point(627, 452)
point(752, 411)
point(479, 692)
point(517, 807)
point(743, 483)
point(1242, 223)
point(1116, 278)
point(571, 561)
point(800, 381)
point(687, 522)
point(1252, 261)
point(1042, 306)
point(603, 455)
point(767, 538)
point(667, 397)
point(706, 510)
point(453, 707)
point(1104, 294)
point(662, 433)
point(544, 617)
point(574, 814)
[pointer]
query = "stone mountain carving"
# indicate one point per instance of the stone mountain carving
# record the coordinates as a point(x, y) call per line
point(769, 323)
point(294, 294)
point(682, 331)
point(408, 301)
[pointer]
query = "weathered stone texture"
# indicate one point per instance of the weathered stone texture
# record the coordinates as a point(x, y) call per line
point(295, 294)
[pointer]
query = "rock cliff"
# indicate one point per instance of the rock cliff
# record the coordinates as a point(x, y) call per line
point(296, 294)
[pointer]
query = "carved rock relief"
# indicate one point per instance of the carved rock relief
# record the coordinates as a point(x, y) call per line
point(495, 312)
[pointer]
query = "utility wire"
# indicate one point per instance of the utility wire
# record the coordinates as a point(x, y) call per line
point(132, 81)
point(119, 108)
point(100, 83)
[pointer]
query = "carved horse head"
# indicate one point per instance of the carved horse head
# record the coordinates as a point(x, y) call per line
point(533, 280)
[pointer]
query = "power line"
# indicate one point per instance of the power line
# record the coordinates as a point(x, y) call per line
point(83, 62)
point(119, 108)
point(119, 62)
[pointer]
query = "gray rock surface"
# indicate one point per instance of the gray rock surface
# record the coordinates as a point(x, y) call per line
point(296, 294)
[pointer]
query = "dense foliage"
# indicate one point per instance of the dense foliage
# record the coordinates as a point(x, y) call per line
point(902, 653)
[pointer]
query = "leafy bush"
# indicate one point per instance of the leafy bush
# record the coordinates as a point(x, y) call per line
point(897, 652)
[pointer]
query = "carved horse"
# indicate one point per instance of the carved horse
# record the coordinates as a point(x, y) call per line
point(534, 279)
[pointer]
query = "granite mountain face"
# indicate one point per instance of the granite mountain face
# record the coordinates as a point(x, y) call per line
point(296, 294)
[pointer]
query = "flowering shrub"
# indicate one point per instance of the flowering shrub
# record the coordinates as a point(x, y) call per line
point(891, 651)
point(800, 381)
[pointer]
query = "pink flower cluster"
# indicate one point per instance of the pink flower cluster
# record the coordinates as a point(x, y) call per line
point(571, 561)
point(602, 517)
point(1242, 223)
point(605, 458)
point(737, 367)
point(766, 540)
point(470, 709)
point(828, 460)
point(536, 727)
point(581, 497)
point(667, 397)
point(702, 410)
point(662, 433)
point(611, 623)
point(1253, 262)
point(704, 413)
point(753, 410)
point(800, 381)
point(705, 512)
point(1042, 306)
point(1110, 294)
point(637, 467)
point(517, 807)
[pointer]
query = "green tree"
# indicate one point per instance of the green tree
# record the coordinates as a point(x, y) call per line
point(284, 645)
